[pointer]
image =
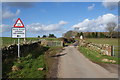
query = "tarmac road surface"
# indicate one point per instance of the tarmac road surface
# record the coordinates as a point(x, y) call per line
point(73, 64)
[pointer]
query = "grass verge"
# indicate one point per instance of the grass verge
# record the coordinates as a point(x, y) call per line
point(94, 56)
point(27, 66)
point(110, 41)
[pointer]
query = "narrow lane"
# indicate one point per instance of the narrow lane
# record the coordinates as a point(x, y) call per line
point(74, 65)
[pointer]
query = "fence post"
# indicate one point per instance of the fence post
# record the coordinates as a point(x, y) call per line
point(113, 54)
point(62, 43)
point(24, 41)
point(14, 42)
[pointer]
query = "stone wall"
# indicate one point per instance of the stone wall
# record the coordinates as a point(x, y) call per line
point(12, 50)
point(104, 49)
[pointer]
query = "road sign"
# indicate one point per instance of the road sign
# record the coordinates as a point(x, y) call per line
point(19, 24)
point(18, 32)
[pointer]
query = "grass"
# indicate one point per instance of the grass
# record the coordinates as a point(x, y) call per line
point(95, 56)
point(113, 41)
point(67, 44)
point(50, 39)
point(8, 40)
point(28, 65)
point(103, 41)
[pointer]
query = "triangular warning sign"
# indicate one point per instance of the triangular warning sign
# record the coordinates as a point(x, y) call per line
point(19, 23)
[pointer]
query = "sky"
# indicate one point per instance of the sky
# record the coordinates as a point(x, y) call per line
point(44, 18)
point(59, 0)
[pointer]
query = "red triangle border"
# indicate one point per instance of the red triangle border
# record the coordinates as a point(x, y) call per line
point(21, 23)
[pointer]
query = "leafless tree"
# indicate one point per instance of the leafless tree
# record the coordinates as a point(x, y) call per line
point(111, 28)
point(118, 28)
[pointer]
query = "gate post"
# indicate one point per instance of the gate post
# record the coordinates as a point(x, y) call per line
point(113, 54)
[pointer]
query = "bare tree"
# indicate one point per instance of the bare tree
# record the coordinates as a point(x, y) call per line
point(118, 28)
point(111, 28)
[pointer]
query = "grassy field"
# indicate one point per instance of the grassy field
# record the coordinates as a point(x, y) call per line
point(8, 40)
point(103, 41)
point(113, 42)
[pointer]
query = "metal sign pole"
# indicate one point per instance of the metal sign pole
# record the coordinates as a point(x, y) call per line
point(18, 48)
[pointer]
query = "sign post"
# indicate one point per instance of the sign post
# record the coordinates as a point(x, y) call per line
point(18, 48)
point(18, 32)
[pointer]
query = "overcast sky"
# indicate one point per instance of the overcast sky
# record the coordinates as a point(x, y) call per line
point(58, 17)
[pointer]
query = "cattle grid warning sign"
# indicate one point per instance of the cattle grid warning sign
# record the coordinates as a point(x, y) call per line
point(18, 32)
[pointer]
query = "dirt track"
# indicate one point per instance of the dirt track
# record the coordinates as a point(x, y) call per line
point(73, 64)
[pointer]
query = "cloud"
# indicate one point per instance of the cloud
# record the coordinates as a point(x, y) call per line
point(6, 13)
point(111, 4)
point(63, 22)
point(5, 28)
point(19, 4)
point(98, 24)
point(91, 7)
point(35, 29)
point(40, 28)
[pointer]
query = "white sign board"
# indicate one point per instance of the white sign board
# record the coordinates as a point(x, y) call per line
point(81, 37)
point(18, 32)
